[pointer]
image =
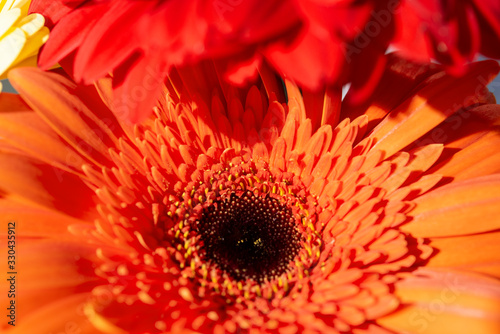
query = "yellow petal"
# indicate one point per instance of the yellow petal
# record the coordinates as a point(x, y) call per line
point(11, 46)
point(6, 5)
point(7, 20)
point(31, 24)
point(32, 46)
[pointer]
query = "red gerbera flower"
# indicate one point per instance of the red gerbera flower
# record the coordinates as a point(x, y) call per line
point(452, 32)
point(313, 43)
point(131, 38)
point(231, 211)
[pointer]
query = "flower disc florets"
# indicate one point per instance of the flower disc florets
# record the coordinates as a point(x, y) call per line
point(249, 236)
point(249, 230)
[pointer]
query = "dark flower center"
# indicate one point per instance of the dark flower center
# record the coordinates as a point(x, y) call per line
point(249, 236)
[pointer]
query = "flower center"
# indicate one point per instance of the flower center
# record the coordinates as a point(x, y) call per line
point(250, 236)
point(241, 230)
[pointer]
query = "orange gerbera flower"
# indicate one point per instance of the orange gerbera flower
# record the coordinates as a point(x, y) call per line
point(232, 211)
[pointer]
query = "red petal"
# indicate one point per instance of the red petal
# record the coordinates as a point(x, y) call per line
point(309, 61)
point(111, 40)
point(53, 10)
point(69, 34)
point(135, 97)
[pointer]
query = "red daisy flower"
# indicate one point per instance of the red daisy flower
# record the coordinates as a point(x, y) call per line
point(452, 32)
point(313, 43)
point(232, 211)
point(131, 38)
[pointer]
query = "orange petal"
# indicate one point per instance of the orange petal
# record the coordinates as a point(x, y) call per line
point(482, 157)
point(62, 316)
point(34, 221)
point(467, 207)
point(25, 130)
point(464, 127)
point(477, 253)
point(399, 79)
point(424, 157)
point(446, 302)
point(430, 106)
point(49, 271)
point(45, 185)
point(323, 107)
point(56, 99)
point(295, 100)
point(61, 264)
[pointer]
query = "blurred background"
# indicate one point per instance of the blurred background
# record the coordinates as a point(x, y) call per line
point(7, 87)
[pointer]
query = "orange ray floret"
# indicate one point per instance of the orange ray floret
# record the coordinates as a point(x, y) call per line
point(232, 210)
